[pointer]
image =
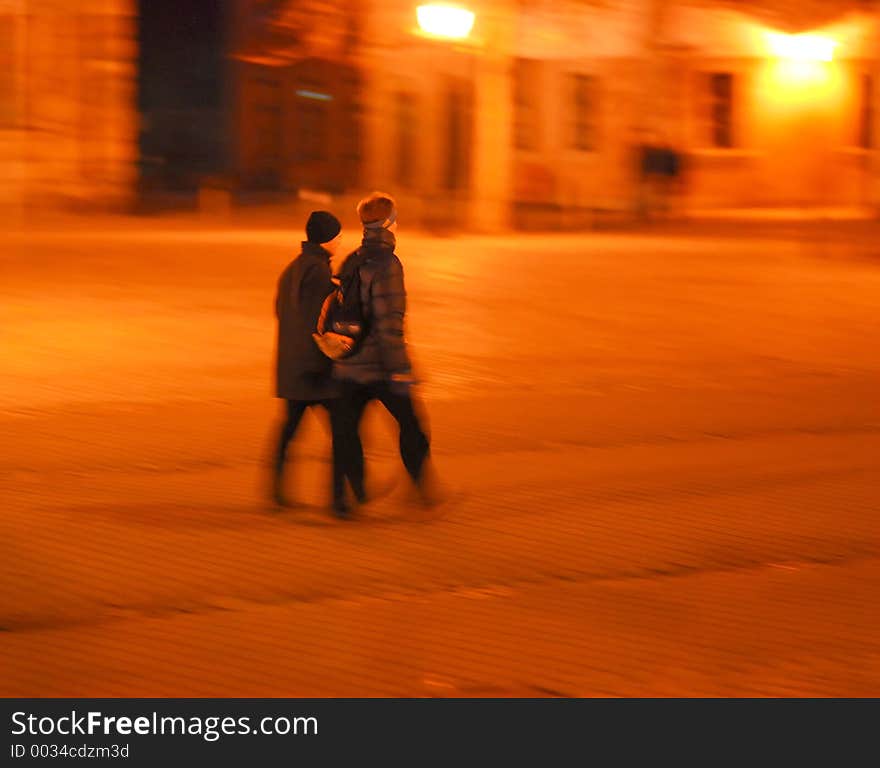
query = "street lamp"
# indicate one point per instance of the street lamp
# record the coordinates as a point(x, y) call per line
point(802, 47)
point(443, 20)
point(803, 67)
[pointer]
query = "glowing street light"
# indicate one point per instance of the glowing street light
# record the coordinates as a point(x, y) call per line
point(442, 20)
point(801, 47)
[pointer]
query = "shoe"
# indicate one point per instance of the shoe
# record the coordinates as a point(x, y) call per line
point(341, 509)
point(277, 490)
point(428, 487)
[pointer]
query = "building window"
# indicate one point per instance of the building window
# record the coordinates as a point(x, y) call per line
point(7, 71)
point(866, 113)
point(312, 102)
point(313, 129)
point(526, 104)
point(721, 94)
point(458, 116)
point(584, 111)
point(264, 132)
point(405, 151)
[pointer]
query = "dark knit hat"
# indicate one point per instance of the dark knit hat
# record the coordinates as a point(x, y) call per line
point(322, 227)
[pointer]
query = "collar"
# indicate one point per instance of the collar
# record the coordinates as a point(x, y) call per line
point(382, 238)
point(315, 249)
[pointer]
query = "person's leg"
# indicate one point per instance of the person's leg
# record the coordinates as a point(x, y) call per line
point(414, 444)
point(342, 448)
point(295, 411)
point(345, 416)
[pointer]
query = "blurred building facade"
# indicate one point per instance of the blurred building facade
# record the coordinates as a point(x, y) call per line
point(68, 126)
point(774, 102)
point(537, 117)
point(297, 85)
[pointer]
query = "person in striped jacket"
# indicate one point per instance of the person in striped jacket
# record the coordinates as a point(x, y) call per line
point(379, 368)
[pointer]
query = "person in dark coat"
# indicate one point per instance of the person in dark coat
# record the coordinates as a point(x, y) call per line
point(379, 368)
point(303, 373)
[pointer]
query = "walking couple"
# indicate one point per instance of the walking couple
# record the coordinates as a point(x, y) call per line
point(377, 369)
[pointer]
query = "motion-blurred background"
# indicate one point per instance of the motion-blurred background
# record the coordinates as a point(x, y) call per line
point(640, 241)
point(481, 116)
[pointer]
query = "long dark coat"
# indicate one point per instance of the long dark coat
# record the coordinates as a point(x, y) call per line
point(302, 371)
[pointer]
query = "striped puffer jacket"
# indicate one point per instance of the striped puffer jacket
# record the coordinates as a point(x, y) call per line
point(382, 352)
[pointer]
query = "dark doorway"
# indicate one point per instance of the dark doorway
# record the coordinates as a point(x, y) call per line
point(182, 88)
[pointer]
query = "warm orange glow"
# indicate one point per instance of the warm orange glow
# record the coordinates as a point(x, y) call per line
point(801, 47)
point(803, 69)
point(809, 83)
point(800, 73)
point(443, 20)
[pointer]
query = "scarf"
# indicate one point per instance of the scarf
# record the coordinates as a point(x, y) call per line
point(375, 241)
point(382, 238)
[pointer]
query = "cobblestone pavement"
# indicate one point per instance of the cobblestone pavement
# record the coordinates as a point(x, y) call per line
point(658, 455)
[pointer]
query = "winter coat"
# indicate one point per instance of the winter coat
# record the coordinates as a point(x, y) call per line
point(382, 352)
point(302, 371)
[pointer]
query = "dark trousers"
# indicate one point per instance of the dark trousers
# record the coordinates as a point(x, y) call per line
point(295, 411)
point(414, 443)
